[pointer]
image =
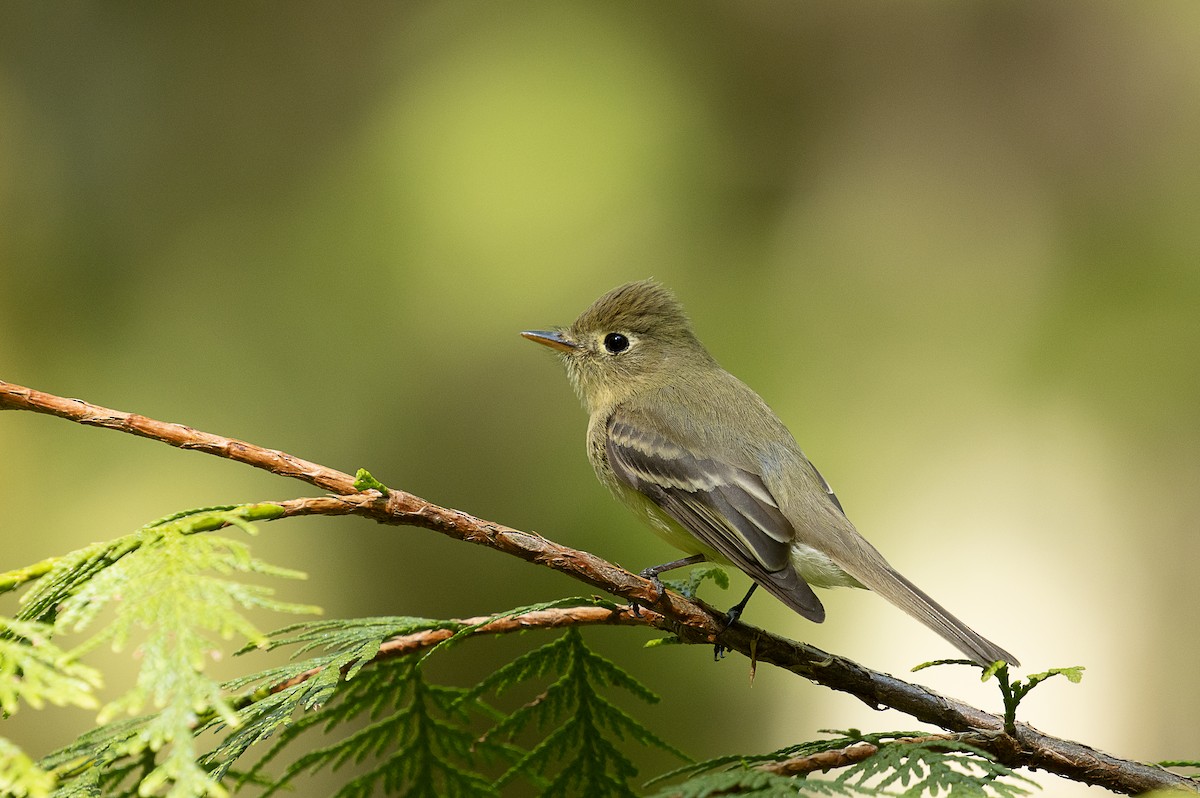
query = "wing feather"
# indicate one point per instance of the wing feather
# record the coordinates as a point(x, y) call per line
point(729, 509)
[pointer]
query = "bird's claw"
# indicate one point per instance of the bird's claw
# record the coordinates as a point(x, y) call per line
point(659, 592)
point(731, 617)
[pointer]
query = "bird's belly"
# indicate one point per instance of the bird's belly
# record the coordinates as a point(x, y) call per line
point(818, 570)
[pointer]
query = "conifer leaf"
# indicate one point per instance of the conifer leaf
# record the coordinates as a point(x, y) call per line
point(98, 760)
point(178, 594)
point(756, 783)
point(696, 576)
point(577, 755)
point(19, 776)
point(35, 671)
point(943, 767)
point(1014, 693)
point(1073, 674)
point(417, 733)
point(347, 645)
point(904, 765)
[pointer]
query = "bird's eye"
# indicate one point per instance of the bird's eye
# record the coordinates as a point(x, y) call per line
point(616, 343)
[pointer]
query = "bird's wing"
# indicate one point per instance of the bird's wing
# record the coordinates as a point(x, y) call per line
point(825, 484)
point(728, 508)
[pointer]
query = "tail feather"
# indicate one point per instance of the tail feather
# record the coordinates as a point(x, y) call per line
point(910, 598)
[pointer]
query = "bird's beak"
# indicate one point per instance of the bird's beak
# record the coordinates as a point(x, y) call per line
point(552, 339)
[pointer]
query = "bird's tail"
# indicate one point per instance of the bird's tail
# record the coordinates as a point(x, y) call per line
point(904, 594)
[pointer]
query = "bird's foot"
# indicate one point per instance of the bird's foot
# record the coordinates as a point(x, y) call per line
point(659, 591)
point(731, 617)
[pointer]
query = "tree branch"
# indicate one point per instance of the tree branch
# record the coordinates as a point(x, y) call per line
point(560, 618)
point(691, 621)
point(840, 757)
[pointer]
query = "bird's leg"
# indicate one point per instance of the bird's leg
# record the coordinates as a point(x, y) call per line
point(735, 612)
point(653, 572)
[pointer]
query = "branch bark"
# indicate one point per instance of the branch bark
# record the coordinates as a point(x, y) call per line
point(692, 621)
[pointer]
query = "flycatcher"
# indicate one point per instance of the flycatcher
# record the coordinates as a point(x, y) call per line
point(700, 457)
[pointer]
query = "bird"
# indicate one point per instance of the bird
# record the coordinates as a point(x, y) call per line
point(700, 457)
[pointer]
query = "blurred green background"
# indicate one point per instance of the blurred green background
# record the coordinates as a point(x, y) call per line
point(955, 246)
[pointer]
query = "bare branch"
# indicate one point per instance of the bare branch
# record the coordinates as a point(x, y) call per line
point(560, 618)
point(691, 621)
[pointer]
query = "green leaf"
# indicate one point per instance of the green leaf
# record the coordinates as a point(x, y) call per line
point(19, 776)
point(1013, 694)
point(696, 575)
point(939, 662)
point(176, 594)
point(1073, 674)
point(364, 481)
point(417, 734)
point(347, 645)
point(757, 783)
point(35, 671)
point(942, 767)
point(578, 754)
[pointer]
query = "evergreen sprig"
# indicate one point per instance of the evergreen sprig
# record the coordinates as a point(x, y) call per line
point(951, 768)
point(20, 776)
point(578, 755)
point(907, 760)
point(418, 733)
point(176, 592)
point(61, 577)
point(745, 781)
point(1015, 692)
point(33, 670)
point(696, 575)
point(345, 646)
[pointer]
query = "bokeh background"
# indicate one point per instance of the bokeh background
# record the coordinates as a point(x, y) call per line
point(956, 247)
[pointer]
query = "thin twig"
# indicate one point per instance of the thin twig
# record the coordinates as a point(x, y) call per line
point(559, 618)
point(691, 621)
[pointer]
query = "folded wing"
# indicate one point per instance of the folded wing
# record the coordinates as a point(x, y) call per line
point(727, 508)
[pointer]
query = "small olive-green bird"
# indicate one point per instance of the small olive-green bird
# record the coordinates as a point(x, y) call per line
point(701, 458)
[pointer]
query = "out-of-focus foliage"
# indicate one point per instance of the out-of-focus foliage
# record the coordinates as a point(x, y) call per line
point(955, 247)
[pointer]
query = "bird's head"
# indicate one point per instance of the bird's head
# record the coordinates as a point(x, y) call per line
point(633, 337)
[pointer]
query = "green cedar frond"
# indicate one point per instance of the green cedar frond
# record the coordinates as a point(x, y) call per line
point(175, 591)
point(34, 670)
point(1182, 763)
point(930, 767)
point(350, 642)
point(69, 572)
point(19, 776)
point(1073, 674)
point(100, 760)
point(418, 733)
point(756, 783)
point(348, 645)
point(735, 761)
point(696, 576)
point(1012, 694)
point(578, 751)
point(942, 767)
point(169, 591)
point(951, 661)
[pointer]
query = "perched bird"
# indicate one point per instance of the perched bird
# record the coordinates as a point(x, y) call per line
point(700, 457)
